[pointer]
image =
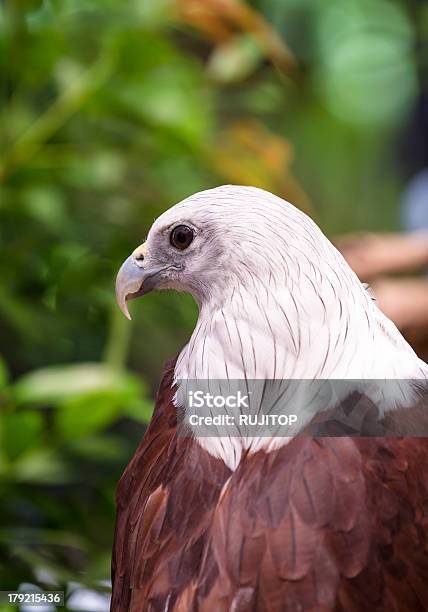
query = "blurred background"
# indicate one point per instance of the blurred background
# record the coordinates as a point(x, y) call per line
point(112, 111)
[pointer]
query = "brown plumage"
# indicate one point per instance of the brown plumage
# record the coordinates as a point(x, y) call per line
point(322, 524)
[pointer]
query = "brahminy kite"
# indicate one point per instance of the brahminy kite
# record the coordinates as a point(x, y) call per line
point(327, 515)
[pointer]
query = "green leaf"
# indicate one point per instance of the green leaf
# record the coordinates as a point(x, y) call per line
point(41, 466)
point(19, 430)
point(87, 414)
point(59, 383)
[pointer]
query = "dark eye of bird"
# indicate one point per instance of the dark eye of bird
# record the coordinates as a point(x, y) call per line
point(181, 236)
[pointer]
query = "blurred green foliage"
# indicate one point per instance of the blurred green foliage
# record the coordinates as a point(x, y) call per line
point(109, 113)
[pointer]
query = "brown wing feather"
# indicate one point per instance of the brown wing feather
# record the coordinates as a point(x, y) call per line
point(350, 535)
point(322, 524)
point(165, 500)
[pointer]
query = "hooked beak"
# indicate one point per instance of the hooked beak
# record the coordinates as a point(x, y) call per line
point(135, 279)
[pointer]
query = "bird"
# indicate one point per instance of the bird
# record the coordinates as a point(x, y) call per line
point(330, 515)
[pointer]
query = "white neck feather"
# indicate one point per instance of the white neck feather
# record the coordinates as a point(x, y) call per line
point(310, 327)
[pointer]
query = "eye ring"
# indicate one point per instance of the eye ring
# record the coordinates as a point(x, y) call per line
point(181, 237)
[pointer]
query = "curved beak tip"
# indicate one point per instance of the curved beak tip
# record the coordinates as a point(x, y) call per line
point(122, 302)
point(124, 309)
point(128, 281)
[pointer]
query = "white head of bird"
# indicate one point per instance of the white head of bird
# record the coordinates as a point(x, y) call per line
point(276, 298)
